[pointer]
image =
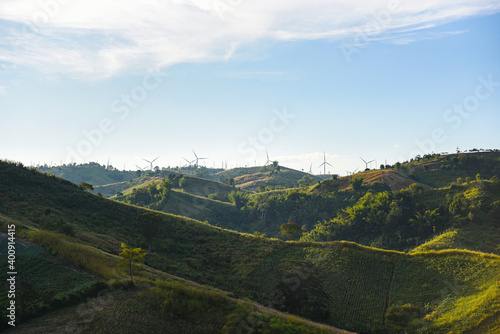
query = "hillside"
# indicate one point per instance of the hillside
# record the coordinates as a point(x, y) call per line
point(391, 179)
point(251, 178)
point(337, 283)
point(440, 170)
point(92, 173)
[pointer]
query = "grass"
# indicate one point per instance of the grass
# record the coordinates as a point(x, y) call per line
point(170, 308)
point(347, 284)
point(42, 282)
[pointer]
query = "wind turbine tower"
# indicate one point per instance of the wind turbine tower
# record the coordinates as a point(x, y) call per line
point(366, 163)
point(151, 163)
point(324, 164)
point(197, 159)
point(268, 161)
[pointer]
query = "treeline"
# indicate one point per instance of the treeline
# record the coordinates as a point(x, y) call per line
point(402, 220)
point(154, 196)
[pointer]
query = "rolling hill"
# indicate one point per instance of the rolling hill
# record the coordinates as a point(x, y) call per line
point(92, 173)
point(341, 284)
point(391, 179)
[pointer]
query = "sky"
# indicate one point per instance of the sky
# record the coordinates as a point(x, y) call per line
point(239, 81)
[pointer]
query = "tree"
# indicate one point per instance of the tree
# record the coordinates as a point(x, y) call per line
point(291, 230)
point(415, 188)
point(238, 198)
point(306, 180)
point(478, 177)
point(138, 173)
point(86, 186)
point(132, 258)
point(356, 183)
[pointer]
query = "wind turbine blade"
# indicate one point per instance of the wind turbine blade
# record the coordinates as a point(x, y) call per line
point(195, 154)
point(321, 165)
point(154, 160)
point(329, 164)
point(370, 161)
point(147, 161)
point(363, 160)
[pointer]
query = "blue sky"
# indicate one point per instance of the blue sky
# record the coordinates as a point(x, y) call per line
point(231, 79)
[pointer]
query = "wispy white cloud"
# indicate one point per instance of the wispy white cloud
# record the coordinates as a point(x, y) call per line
point(3, 90)
point(101, 38)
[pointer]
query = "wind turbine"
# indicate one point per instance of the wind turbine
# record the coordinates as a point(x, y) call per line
point(324, 164)
point(151, 163)
point(310, 168)
point(138, 167)
point(197, 159)
point(366, 163)
point(189, 162)
point(268, 161)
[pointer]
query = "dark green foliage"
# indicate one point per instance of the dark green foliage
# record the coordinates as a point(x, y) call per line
point(389, 219)
point(300, 292)
point(238, 198)
point(42, 284)
point(291, 230)
point(357, 284)
point(306, 180)
point(356, 183)
point(401, 315)
point(86, 186)
point(154, 196)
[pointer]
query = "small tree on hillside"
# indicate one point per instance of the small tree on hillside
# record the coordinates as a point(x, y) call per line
point(86, 186)
point(356, 183)
point(132, 258)
point(238, 198)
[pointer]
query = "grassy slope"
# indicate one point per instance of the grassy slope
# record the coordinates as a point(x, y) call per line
point(42, 281)
point(250, 178)
point(169, 308)
point(479, 234)
point(191, 200)
point(91, 173)
point(352, 276)
point(191, 185)
point(192, 206)
point(393, 179)
point(431, 172)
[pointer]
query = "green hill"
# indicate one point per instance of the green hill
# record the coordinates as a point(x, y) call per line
point(343, 284)
point(251, 178)
point(92, 173)
point(437, 170)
